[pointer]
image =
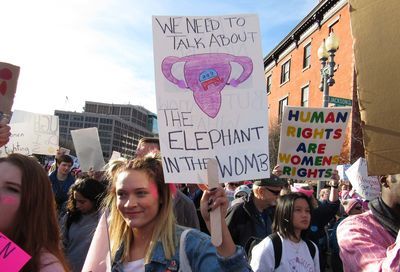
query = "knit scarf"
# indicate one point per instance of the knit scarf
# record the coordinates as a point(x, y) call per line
point(385, 216)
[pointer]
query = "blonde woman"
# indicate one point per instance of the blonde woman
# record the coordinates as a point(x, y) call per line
point(144, 236)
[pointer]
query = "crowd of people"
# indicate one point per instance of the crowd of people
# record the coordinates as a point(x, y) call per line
point(271, 224)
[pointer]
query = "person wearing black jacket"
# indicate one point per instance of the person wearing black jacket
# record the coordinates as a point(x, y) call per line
point(252, 218)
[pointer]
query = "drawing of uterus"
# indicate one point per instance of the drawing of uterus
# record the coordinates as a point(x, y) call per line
point(206, 75)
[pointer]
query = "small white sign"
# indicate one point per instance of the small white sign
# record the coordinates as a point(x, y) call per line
point(88, 148)
point(366, 186)
point(115, 155)
point(32, 133)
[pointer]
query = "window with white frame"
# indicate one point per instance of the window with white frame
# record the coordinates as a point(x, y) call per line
point(269, 83)
point(307, 56)
point(282, 103)
point(304, 95)
point(285, 72)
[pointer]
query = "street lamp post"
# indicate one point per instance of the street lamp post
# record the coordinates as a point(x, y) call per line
point(326, 54)
point(327, 50)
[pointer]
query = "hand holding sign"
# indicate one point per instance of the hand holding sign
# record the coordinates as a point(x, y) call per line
point(213, 206)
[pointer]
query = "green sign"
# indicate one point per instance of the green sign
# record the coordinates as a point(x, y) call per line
point(339, 101)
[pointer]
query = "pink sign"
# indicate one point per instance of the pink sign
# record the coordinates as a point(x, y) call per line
point(12, 258)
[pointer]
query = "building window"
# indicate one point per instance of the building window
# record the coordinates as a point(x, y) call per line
point(307, 56)
point(304, 96)
point(76, 118)
point(63, 116)
point(269, 82)
point(333, 24)
point(103, 109)
point(282, 103)
point(126, 111)
point(90, 108)
point(285, 72)
point(115, 110)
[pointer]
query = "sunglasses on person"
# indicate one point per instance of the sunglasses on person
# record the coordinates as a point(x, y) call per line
point(273, 191)
point(357, 207)
point(234, 184)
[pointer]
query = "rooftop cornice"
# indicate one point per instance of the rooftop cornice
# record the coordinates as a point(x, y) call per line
point(315, 16)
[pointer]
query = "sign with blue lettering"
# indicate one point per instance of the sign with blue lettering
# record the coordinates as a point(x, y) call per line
point(311, 141)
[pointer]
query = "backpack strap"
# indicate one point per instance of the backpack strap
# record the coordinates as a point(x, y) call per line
point(277, 243)
point(250, 244)
point(184, 264)
point(311, 247)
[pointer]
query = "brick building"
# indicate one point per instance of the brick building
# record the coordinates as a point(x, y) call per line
point(292, 68)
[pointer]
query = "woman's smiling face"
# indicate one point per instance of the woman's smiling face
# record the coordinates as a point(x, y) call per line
point(137, 198)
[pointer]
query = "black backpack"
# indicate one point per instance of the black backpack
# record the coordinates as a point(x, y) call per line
point(277, 243)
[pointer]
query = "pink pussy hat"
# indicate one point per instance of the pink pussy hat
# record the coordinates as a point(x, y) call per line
point(349, 204)
point(302, 188)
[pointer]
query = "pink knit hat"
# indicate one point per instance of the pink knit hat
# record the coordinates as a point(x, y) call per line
point(349, 204)
point(302, 188)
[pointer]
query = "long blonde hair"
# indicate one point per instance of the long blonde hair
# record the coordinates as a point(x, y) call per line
point(164, 231)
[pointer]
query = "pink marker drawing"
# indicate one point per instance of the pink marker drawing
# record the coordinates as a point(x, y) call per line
point(206, 75)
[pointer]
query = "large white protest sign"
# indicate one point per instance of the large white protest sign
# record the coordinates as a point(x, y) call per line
point(311, 141)
point(32, 133)
point(211, 98)
point(366, 186)
point(8, 85)
point(88, 148)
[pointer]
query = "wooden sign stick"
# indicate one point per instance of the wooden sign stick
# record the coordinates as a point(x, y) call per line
point(215, 215)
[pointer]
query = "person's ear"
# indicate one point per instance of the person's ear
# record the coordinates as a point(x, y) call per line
point(257, 191)
point(383, 181)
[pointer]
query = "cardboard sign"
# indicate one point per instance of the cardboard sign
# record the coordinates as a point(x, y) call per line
point(366, 186)
point(311, 141)
point(377, 84)
point(211, 99)
point(88, 148)
point(32, 133)
point(8, 86)
point(12, 258)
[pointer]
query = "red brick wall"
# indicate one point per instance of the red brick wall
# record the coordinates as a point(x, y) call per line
point(343, 86)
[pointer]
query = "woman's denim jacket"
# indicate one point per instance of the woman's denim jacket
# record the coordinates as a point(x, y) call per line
point(200, 252)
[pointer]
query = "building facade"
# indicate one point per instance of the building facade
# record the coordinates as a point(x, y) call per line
point(292, 68)
point(120, 126)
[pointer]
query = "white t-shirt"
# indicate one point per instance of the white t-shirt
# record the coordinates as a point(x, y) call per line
point(135, 266)
point(296, 257)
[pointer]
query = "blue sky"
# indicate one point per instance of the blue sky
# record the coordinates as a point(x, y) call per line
point(101, 50)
